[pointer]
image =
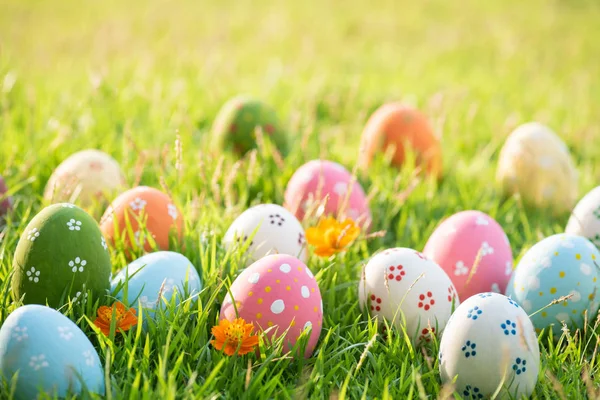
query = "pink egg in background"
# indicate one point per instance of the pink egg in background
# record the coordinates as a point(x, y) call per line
point(455, 243)
point(275, 293)
point(318, 179)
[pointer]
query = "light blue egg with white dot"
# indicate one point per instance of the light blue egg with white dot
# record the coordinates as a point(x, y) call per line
point(155, 278)
point(50, 354)
point(559, 265)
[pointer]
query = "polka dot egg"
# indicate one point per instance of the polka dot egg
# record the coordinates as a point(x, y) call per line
point(560, 265)
point(321, 181)
point(456, 245)
point(585, 218)
point(278, 292)
point(402, 280)
point(489, 342)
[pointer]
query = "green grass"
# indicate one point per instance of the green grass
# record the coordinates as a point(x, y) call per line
point(128, 77)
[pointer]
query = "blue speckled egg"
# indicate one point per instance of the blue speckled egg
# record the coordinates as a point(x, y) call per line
point(49, 352)
point(145, 277)
point(560, 265)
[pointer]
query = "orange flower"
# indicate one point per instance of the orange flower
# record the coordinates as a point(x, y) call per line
point(234, 336)
point(330, 236)
point(125, 319)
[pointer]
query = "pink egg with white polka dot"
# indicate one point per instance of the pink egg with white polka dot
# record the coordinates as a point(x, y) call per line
point(278, 293)
point(318, 180)
point(474, 251)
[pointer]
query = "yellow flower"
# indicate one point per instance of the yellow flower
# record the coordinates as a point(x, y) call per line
point(232, 337)
point(125, 319)
point(330, 236)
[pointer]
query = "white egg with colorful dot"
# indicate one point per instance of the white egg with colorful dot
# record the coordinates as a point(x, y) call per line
point(585, 218)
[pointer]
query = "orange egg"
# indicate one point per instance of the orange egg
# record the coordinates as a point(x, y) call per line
point(142, 207)
point(395, 124)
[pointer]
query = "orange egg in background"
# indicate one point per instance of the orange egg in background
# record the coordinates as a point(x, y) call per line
point(145, 207)
point(398, 124)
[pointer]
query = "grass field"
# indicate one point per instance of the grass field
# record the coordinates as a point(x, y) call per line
point(128, 77)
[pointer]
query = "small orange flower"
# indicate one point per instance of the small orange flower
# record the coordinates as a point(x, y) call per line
point(330, 236)
point(234, 336)
point(125, 319)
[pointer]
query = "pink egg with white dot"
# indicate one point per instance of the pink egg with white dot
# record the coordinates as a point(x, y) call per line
point(326, 181)
point(278, 293)
point(474, 251)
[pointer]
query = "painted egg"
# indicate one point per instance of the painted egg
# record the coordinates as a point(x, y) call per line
point(50, 354)
point(278, 292)
point(399, 126)
point(536, 163)
point(61, 253)
point(560, 265)
point(5, 199)
point(585, 218)
point(489, 342)
point(456, 245)
point(236, 123)
point(403, 281)
point(84, 178)
point(277, 232)
point(157, 276)
point(141, 207)
point(322, 181)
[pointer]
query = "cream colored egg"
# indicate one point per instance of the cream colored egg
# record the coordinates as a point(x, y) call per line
point(536, 163)
point(84, 178)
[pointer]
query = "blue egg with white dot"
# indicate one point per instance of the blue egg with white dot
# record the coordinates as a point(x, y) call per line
point(49, 353)
point(155, 278)
point(560, 267)
point(490, 341)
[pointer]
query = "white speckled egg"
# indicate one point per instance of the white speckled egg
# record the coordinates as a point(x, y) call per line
point(172, 272)
point(50, 354)
point(585, 218)
point(536, 163)
point(402, 280)
point(560, 265)
point(488, 342)
point(277, 232)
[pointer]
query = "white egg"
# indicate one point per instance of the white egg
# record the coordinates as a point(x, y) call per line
point(50, 354)
point(585, 218)
point(402, 284)
point(277, 232)
point(490, 342)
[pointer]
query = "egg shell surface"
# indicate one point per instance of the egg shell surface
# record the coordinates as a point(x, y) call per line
point(145, 277)
point(153, 208)
point(536, 163)
point(398, 125)
point(385, 290)
point(559, 265)
point(5, 200)
point(585, 218)
point(455, 245)
point(236, 123)
point(84, 178)
point(60, 251)
point(49, 352)
point(278, 291)
point(490, 340)
point(320, 179)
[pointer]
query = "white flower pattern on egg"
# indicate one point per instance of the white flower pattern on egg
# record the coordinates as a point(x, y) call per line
point(38, 362)
point(509, 268)
point(89, 358)
point(74, 225)
point(172, 211)
point(137, 204)
point(20, 333)
point(460, 269)
point(33, 275)
point(340, 188)
point(482, 221)
point(33, 234)
point(486, 249)
point(65, 332)
point(77, 264)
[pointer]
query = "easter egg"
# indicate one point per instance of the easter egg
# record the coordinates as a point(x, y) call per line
point(139, 208)
point(403, 281)
point(157, 277)
point(281, 293)
point(50, 354)
point(236, 123)
point(559, 265)
point(489, 342)
point(84, 178)
point(585, 218)
point(474, 251)
point(322, 181)
point(61, 253)
point(5, 199)
point(277, 232)
point(401, 127)
point(536, 163)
